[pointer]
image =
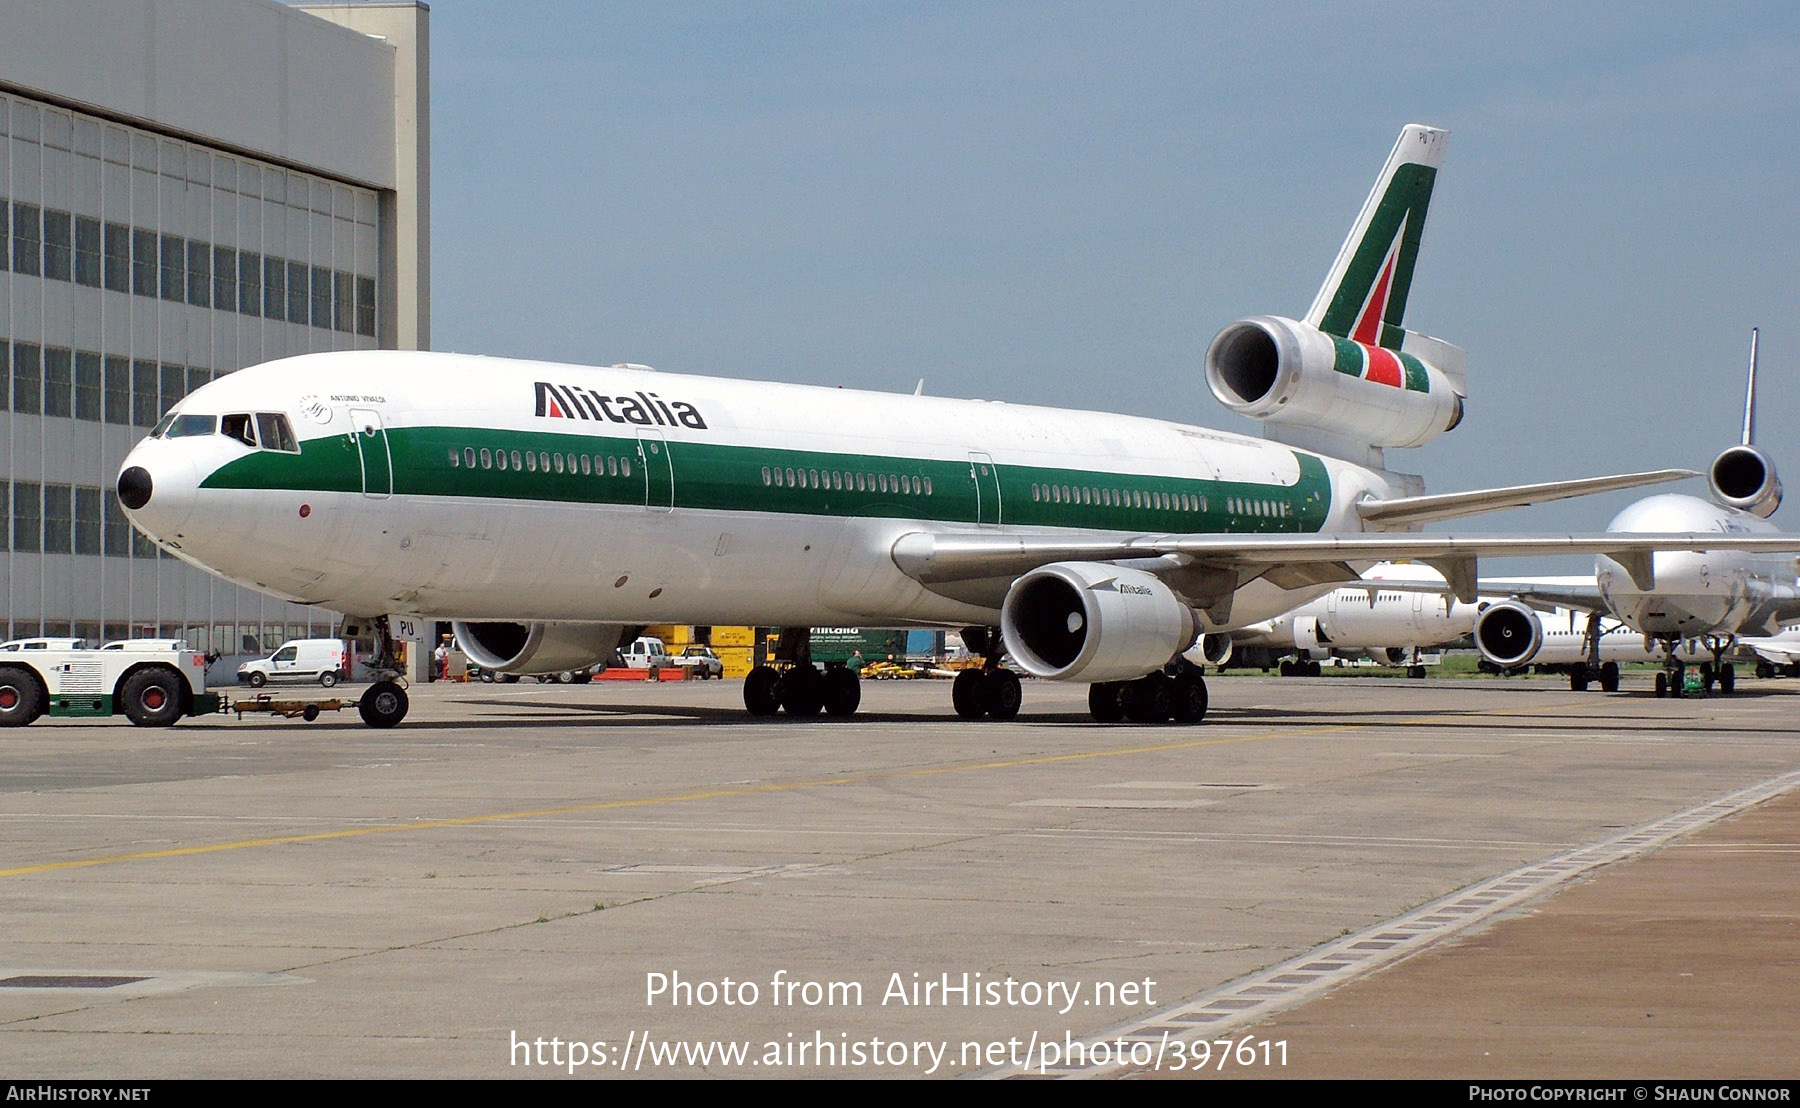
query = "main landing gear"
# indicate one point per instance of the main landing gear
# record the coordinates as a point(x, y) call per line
point(990, 692)
point(794, 685)
point(1177, 693)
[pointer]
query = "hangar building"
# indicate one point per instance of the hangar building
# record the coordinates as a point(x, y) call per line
point(187, 187)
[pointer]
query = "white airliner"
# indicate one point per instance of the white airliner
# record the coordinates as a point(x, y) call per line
point(552, 509)
point(1388, 625)
point(1704, 599)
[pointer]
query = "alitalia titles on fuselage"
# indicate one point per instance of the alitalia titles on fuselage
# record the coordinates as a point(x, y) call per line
point(646, 409)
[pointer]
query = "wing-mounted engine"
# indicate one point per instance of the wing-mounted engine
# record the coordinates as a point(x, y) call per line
point(1508, 634)
point(1286, 372)
point(1089, 621)
point(1387, 655)
point(1214, 650)
point(1743, 477)
point(537, 647)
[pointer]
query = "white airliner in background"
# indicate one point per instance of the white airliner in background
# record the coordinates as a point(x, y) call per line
point(1387, 625)
point(1687, 602)
point(551, 510)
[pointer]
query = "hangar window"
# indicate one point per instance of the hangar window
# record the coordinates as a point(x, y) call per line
point(116, 268)
point(87, 251)
point(249, 279)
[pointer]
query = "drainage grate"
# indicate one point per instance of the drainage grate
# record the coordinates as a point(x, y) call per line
point(84, 981)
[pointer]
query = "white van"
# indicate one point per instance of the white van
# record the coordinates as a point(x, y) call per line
point(647, 653)
point(320, 660)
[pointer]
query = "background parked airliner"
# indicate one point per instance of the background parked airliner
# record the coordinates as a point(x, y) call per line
point(552, 509)
point(1708, 598)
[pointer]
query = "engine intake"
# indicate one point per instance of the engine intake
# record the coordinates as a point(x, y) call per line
point(1509, 634)
point(1743, 477)
point(1088, 621)
point(1283, 371)
point(537, 647)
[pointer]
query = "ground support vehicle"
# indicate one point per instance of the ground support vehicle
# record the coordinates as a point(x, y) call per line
point(151, 687)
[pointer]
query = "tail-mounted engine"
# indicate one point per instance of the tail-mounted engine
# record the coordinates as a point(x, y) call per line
point(1283, 371)
point(1088, 621)
point(1508, 634)
point(1744, 478)
point(537, 647)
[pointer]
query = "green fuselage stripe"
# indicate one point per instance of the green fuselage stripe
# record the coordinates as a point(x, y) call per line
point(710, 476)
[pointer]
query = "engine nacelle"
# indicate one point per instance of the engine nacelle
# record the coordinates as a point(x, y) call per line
point(1284, 371)
point(1743, 477)
point(1508, 634)
point(1214, 650)
point(1387, 655)
point(537, 647)
point(1087, 621)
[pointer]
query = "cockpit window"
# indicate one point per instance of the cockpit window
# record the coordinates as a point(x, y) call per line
point(162, 425)
point(238, 426)
point(187, 426)
point(276, 434)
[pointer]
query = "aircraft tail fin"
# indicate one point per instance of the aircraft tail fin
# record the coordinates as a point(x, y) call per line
point(1364, 297)
point(1750, 396)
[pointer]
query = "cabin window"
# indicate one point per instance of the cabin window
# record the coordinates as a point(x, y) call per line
point(469, 456)
point(455, 457)
point(531, 461)
point(500, 460)
point(516, 461)
point(927, 486)
point(486, 459)
point(768, 479)
point(544, 462)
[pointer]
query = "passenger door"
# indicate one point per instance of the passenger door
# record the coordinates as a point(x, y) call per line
point(372, 445)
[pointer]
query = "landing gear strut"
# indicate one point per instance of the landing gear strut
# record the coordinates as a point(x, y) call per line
point(791, 683)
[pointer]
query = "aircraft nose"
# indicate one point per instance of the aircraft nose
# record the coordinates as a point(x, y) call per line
point(135, 487)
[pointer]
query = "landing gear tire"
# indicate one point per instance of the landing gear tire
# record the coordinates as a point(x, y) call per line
point(153, 697)
point(21, 698)
point(1150, 699)
point(1000, 694)
point(1578, 679)
point(1764, 670)
point(328, 679)
point(1417, 673)
point(843, 692)
point(1727, 679)
point(1609, 677)
point(383, 704)
point(1106, 702)
point(1287, 668)
point(965, 694)
point(1662, 684)
point(760, 695)
point(1190, 699)
point(1313, 668)
point(802, 692)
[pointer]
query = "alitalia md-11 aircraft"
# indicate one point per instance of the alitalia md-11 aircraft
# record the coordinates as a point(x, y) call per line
point(551, 510)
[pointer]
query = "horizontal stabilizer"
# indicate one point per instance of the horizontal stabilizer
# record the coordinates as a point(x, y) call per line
point(1453, 505)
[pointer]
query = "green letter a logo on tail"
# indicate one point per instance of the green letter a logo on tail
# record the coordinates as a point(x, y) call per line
point(1364, 298)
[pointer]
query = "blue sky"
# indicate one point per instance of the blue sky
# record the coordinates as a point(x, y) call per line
point(1062, 202)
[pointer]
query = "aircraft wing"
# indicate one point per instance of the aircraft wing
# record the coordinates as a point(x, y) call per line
point(1569, 592)
point(1212, 566)
point(1451, 505)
